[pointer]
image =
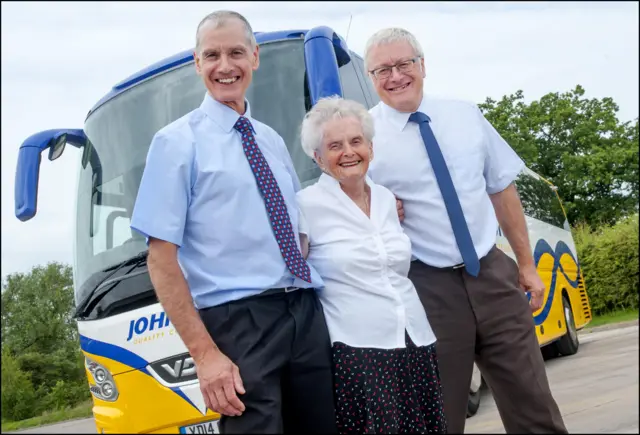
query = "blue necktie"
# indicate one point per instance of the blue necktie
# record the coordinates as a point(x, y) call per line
point(449, 195)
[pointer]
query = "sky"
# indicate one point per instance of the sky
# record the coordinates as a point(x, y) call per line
point(60, 58)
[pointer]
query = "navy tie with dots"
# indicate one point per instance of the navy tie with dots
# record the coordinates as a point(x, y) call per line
point(273, 201)
point(449, 195)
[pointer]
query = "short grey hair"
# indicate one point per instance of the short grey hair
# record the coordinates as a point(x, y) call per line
point(327, 109)
point(388, 35)
point(219, 18)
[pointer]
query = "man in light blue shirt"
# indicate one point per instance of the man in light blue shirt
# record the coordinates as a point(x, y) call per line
point(217, 203)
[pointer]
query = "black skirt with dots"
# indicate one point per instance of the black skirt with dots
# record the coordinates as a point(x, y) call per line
point(388, 390)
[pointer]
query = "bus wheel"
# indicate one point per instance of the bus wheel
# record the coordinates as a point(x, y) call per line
point(568, 344)
point(550, 351)
point(474, 392)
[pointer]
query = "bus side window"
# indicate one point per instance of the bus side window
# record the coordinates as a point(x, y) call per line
point(357, 63)
point(367, 84)
point(539, 201)
point(351, 88)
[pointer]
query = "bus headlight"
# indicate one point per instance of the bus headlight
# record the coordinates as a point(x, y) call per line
point(100, 375)
point(105, 387)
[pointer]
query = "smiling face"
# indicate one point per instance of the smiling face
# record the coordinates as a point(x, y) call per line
point(344, 153)
point(401, 90)
point(226, 61)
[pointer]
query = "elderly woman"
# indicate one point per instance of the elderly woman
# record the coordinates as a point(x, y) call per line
point(385, 369)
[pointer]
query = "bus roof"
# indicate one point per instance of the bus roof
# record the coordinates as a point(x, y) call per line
point(183, 58)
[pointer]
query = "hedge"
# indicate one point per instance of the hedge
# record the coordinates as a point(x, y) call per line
point(608, 257)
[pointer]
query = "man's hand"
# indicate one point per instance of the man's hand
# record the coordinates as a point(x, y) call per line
point(530, 282)
point(219, 380)
point(400, 209)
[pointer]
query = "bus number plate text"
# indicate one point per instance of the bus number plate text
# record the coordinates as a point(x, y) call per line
point(208, 427)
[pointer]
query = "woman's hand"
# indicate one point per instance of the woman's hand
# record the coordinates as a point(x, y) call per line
point(304, 245)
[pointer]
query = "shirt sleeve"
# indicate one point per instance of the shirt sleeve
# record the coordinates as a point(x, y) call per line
point(501, 163)
point(165, 191)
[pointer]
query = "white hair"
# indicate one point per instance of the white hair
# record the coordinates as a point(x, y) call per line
point(327, 109)
point(388, 35)
point(219, 18)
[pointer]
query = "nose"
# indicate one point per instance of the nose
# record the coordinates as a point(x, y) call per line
point(224, 66)
point(348, 149)
point(395, 74)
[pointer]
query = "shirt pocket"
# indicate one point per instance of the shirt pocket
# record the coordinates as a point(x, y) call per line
point(466, 167)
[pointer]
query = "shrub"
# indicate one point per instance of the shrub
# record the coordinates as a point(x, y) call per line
point(65, 395)
point(46, 370)
point(609, 260)
point(18, 395)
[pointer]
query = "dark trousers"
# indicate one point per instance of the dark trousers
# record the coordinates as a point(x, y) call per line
point(281, 345)
point(488, 319)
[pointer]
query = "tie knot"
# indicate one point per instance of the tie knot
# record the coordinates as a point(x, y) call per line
point(243, 125)
point(419, 117)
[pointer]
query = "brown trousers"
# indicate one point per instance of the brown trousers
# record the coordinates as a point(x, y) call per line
point(487, 319)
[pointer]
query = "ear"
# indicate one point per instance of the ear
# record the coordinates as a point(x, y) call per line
point(424, 72)
point(370, 151)
point(256, 58)
point(197, 63)
point(318, 160)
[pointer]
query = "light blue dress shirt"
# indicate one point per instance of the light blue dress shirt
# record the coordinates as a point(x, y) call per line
point(198, 192)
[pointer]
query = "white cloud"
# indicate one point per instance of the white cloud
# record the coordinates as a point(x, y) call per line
point(58, 59)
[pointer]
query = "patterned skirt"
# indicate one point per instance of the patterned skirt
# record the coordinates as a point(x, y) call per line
point(388, 390)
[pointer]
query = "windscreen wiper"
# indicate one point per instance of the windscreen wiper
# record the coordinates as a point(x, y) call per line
point(109, 284)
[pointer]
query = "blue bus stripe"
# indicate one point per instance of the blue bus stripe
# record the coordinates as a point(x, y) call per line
point(113, 352)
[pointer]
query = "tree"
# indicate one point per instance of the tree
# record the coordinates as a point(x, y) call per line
point(37, 310)
point(41, 359)
point(579, 145)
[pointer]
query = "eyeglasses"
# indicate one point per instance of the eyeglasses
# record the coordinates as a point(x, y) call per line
point(403, 67)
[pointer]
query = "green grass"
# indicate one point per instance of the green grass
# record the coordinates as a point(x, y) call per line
point(615, 317)
point(83, 410)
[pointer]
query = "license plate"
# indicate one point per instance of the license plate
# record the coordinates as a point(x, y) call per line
point(207, 427)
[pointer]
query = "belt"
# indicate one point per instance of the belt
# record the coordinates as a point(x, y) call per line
point(457, 266)
point(268, 292)
point(274, 291)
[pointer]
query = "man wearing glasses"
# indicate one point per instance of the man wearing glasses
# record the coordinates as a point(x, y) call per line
point(454, 174)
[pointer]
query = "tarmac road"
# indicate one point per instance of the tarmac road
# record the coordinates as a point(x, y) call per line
point(596, 389)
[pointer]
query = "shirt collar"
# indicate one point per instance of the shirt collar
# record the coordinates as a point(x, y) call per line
point(399, 119)
point(222, 114)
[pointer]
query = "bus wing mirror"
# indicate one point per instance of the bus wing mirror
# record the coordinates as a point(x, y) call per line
point(28, 168)
point(324, 53)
